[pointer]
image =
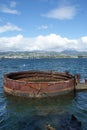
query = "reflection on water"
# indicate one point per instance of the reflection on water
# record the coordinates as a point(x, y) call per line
point(37, 111)
point(50, 104)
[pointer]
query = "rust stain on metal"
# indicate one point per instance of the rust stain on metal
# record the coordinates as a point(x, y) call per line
point(38, 83)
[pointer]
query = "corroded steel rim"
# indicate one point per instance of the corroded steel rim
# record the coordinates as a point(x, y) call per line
point(38, 83)
point(38, 76)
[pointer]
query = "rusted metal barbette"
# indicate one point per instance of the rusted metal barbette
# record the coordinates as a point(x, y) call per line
point(38, 83)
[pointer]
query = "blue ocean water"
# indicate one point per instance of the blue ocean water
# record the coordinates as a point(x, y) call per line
point(33, 114)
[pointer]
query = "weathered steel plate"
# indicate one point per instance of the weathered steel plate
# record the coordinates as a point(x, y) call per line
point(38, 83)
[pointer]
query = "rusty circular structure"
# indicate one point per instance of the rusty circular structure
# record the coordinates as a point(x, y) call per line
point(38, 83)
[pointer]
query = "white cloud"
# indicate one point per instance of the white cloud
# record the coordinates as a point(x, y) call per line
point(10, 43)
point(50, 42)
point(9, 9)
point(65, 12)
point(84, 39)
point(9, 27)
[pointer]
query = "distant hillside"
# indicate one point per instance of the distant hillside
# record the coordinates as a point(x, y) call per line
point(70, 52)
point(75, 53)
point(44, 54)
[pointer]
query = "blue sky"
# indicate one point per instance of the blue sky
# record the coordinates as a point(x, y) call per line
point(48, 25)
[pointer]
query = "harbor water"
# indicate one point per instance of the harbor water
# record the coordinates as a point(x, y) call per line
point(18, 113)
